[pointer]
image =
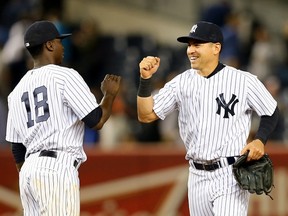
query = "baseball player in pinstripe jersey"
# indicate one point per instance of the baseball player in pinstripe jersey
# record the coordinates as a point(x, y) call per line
point(47, 113)
point(215, 103)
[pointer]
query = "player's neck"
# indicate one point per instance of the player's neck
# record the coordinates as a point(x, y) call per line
point(41, 62)
point(207, 67)
point(210, 73)
point(205, 72)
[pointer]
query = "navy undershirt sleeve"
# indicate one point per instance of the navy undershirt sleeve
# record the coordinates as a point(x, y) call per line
point(18, 151)
point(267, 126)
point(93, 118)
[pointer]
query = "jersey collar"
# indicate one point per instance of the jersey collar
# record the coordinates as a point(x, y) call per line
point(219, 67)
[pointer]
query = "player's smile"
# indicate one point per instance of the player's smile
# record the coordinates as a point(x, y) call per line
point(193, 61)
point(193, 58)
point(211, 99)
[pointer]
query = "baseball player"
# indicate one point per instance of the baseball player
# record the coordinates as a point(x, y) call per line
point(47, 113)
point(215, 103)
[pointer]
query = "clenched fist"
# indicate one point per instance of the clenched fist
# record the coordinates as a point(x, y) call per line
point(148, 66)
point(110, 84)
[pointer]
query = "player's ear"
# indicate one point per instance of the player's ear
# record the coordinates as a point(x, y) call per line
point(217, 48)
point(49, 45)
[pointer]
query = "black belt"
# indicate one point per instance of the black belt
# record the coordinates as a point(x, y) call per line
point(53, 154)
point(213, 166)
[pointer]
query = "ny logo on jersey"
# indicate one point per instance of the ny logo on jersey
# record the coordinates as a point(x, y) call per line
point(222, 103)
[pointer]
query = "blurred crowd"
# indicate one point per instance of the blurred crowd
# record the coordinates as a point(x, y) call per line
point(249, 45)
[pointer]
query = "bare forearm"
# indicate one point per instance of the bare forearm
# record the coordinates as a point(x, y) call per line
point(106, 105)
point(109, 87)
point(148, 66)
point(145, 109)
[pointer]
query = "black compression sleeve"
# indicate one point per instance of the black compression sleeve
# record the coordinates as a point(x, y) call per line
point(18, 151)
point(93, 118)
point(267, 126)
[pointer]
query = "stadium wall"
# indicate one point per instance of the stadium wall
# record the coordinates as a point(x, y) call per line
point(149, 180)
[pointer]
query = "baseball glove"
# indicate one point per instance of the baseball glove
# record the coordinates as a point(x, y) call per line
point(256, 176)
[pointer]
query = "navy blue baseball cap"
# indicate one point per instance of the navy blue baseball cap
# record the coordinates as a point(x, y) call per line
point(40, 32)
point(204, 31)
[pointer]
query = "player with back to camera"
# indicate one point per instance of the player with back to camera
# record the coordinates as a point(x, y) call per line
point(215, 104)
point(47, 113)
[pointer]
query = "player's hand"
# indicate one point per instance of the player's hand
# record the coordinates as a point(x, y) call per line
point(148, 66)
point(256, 150)
point(110, 84)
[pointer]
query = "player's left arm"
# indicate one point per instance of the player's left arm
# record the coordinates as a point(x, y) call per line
point(266, 127)
point(18, 151)
point(148, 66)
point(109, 87)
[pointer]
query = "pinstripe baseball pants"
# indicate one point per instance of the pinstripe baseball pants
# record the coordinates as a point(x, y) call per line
point(50, 186)
point(216, 193)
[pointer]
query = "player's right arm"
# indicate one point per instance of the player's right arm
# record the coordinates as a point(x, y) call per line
point(148, 66)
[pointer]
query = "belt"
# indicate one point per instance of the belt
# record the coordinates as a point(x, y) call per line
point(213, 166)
point(53, 154)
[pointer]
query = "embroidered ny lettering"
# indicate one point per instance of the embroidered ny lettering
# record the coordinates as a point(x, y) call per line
point(222, 103)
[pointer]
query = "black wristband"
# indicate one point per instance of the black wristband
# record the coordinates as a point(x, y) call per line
point(145, 87)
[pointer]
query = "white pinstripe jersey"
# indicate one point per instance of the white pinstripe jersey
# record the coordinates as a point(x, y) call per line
point(46, 108)
point(214, 113)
